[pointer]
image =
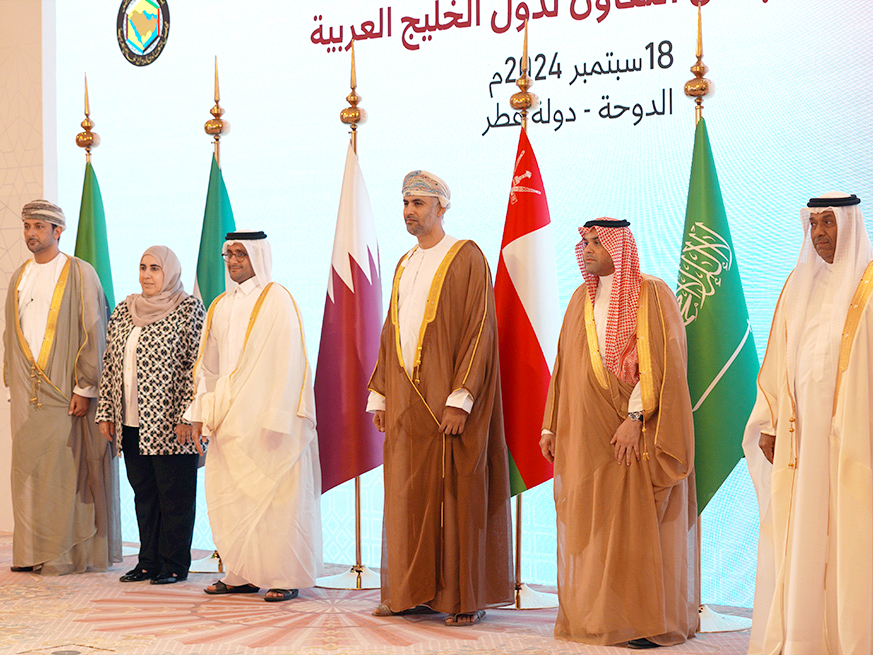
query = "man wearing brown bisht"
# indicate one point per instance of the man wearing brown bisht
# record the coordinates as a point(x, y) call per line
point(435, 393)
point(618, 427)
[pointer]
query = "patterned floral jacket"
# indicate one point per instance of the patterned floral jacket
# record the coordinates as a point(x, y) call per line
point(165, 356)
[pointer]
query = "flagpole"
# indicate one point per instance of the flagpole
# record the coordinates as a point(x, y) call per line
point(89, 139)
point(214, 127)
point(358, 576)
point(697, 88)
point(525, 598)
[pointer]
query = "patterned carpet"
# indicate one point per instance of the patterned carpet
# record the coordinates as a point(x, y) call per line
point(94, 614)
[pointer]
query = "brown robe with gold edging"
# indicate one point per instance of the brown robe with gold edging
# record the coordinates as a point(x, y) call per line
point(466, 564)
point(626, 542)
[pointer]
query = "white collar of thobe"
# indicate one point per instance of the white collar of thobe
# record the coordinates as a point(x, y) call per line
point(424, 251)
point(60, 257)
point(605, 285)
point(248, 286)
point(436, 245)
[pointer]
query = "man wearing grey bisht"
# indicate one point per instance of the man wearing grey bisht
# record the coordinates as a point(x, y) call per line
point(64, 474)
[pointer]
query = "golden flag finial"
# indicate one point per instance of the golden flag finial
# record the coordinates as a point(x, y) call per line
point(699, 86)
point(354, 81)
point(87, 139)
point(523, 101)
point(215, 126)
point(354, 115)
point(524, 51)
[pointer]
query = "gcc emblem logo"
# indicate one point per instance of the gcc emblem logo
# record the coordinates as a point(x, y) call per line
point(142, 30)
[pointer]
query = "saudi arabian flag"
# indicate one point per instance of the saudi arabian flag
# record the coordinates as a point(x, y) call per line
point(91, 242)
point(722, 361)
point(217, 222)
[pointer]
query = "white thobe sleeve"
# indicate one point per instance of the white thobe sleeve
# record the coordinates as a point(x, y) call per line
point(85, 392)
point(375, 402)
point(462, 399)
point(635, 402)
point(207, 372)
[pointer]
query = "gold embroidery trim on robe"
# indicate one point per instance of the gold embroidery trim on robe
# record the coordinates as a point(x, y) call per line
point(644, 350)
point(429, 312)
point(51, 329)
point(593, 345)
point(644, 357)
point(306, 373)
point(255, 311)
point(853, 320)
point(395, 296)
point(433, 299)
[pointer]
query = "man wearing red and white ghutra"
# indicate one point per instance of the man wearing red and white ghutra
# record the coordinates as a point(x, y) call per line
point(618, 427)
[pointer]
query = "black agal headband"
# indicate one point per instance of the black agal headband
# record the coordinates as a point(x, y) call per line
point(846, 201)
point(602, 223)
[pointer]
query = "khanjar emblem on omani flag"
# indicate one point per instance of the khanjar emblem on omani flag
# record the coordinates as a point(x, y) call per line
point(142, 30)
point(518, 180)
point(705, 256)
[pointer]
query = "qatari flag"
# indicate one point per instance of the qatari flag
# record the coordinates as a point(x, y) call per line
point(348, 442)
point(528, 322)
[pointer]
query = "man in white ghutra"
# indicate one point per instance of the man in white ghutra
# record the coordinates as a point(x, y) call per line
point(809, 448)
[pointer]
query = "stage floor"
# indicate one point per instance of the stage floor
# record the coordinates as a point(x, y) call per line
point(94, 614)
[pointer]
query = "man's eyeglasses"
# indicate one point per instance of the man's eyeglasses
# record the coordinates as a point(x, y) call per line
point(240, 256)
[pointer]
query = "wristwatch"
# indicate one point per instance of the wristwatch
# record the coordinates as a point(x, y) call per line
point(635, 416)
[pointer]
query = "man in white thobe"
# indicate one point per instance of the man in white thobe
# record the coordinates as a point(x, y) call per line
point(254, 403)
point(808, 446)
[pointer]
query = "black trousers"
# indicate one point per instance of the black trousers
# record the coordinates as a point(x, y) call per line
point(165, 493)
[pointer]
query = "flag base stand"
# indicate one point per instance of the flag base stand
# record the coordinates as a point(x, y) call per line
point(712, 621)
point(529, 599)
point(211, 564)
point(357, 577)
point(525, 597)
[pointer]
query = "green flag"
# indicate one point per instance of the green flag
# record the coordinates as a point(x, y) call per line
point(91, 242)
point(722, 361)
point(217, 221)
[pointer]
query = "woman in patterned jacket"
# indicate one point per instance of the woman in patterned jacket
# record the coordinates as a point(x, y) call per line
point(146, 386)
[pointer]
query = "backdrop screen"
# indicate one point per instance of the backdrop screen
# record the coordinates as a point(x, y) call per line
point(613, 137)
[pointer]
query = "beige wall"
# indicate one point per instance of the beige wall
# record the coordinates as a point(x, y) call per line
point(23, 161)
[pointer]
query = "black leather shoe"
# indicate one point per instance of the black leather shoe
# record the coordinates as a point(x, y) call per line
point(136, 575)
point(641, 644)
point(165, 577)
